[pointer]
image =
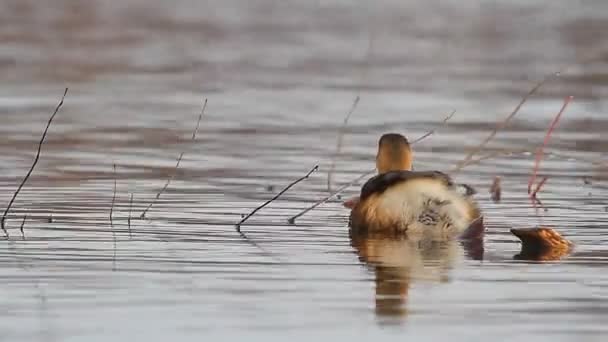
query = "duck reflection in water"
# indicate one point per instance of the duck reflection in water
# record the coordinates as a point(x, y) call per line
point(399, 261)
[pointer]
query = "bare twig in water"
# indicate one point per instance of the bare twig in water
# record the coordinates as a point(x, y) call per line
point(292, 219)
point(330, 172)
point(27, 176)
point(539, 152)
point(198, 122)
point(538, 187)
point(502, 124)
point(494, 155)
point(512, 152)
point(431, 132)
point(21, 228)
point(533, 196)
point(129, 219)
point(238, 225)
point(179, 160)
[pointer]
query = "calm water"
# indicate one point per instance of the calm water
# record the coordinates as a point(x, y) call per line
point(279, 77)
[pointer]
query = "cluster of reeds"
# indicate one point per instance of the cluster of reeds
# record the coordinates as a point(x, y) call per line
point(534, 187)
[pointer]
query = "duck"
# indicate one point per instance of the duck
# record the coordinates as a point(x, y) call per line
point(401, 201)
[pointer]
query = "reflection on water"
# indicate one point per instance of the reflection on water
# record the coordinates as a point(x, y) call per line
point(399, 263)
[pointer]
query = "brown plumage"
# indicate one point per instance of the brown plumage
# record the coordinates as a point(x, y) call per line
point(541, 244)
point(399, 200)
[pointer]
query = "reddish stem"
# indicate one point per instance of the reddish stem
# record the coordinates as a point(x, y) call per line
point(539, 151)
point(539, 186)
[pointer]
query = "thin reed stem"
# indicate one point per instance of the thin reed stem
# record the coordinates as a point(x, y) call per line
point(21, 228)
point(539, 186)
point(502, 124)
point(27, 176)
point(539, 152)
point(129, 219)
point(179, 160)
point(444, 122)
point(238, 225)
point(332, 166)
point(292, 220)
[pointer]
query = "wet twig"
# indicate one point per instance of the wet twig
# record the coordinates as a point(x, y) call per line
point(538, 187)
point(495, 155)
point(502, 124)
point(21, 227)
point(292, 219)
point(444, 122)
point(27, 176)
point(539, 152)
point(332, 166)
point(238, 225)
point(533, 196)
point(179, 160)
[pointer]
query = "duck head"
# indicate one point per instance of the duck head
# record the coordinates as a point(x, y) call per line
point(394, 153)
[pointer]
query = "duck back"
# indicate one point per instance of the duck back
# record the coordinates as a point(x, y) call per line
point(416, 203)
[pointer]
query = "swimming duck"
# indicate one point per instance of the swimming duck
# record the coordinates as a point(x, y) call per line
point(399, 200)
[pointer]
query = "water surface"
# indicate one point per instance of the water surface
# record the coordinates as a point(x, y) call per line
point(279, 78)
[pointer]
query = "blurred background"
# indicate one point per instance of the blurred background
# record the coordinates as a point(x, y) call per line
point(461, 48)
point(280, 77)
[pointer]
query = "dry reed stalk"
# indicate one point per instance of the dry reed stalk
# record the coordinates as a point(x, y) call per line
point(27, 176)
point(502, 124)
point(496, 154)
point(539, 152)
point(238, 225)
point(21, 227)
point(534, 199)
point(292, 219)
point(539, 186)
point(179, 160)
point(332, 166)
point(444, 122)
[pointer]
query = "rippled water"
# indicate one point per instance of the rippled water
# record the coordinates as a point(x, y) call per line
point(279, 78)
